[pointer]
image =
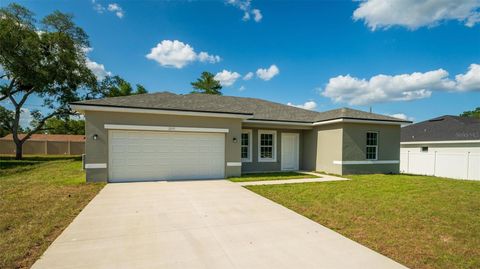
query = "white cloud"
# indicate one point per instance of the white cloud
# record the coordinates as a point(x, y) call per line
point(86, 49)
point(401, 116)
point(469, 81)
point(25, 117)
point(267, 74)
point(257, 15)
point(310, 105)
point(414, 14)
point(242, 88)
point(205, 57)
point(248, 76)
point(177, 54)
point(246, 7)
point(97, 69)
point(405, 87)
point(246, 16)
point(98, 7)
point(112, 7)
point(117, 9)
point(227, 78)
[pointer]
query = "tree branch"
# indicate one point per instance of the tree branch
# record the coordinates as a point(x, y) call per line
point(8, 91)
point(39, 125)
point(25, 96)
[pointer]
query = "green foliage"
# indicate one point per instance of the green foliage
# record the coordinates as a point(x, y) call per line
point(113, 86)
point(207, 84)
point(45, 61)
point(6, 119)
point(141, 89)
point(64, 126)
point(472, 114)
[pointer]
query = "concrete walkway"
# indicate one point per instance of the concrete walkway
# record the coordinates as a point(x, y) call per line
point(199, 224)
point(321, 178)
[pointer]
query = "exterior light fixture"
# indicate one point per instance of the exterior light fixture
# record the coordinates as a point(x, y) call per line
point(95, 137)
point(234, 140)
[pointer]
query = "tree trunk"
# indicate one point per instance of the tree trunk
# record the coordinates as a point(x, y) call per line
point(18, 151)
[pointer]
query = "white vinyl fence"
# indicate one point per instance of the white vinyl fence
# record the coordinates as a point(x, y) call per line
point(451, 163)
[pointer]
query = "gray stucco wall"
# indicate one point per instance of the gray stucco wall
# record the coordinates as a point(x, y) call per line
point(255, 165)
point(329, 148)
point(354, 147)
point(97, 150)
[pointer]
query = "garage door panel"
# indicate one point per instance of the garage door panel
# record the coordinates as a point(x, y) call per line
point(148, 155)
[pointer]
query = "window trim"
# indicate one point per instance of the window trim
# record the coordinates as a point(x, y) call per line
point(274, 146)
point(250, 142)
point(367, 146)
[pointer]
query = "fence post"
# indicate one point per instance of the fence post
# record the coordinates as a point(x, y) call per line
point(468, 163)
point(69, 148)
point(408, 161)
point(46, 147)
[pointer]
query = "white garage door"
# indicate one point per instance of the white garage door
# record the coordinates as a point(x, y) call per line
point(150, 155)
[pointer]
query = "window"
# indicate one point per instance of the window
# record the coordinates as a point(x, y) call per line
point(372, 146)
point(424, 149)
point(267, 142)
point(246, 146)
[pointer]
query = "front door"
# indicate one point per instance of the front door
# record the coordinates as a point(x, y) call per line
point(290, 151)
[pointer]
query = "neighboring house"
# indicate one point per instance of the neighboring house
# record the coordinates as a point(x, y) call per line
point(195, 136)
point(447, 146)
point(43, 144)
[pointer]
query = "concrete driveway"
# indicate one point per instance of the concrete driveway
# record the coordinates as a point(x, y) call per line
point(199, 224)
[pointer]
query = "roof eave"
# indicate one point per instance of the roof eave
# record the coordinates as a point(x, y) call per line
point(183, 112)
point(440, 142)
point(360, 120)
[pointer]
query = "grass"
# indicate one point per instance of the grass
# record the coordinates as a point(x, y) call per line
point(37, 201)
point(419, 221)
point(270, 176)
point(8, 161)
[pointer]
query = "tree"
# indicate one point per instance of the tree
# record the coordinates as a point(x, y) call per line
point(207, 84)
point(64, 126)
point(472, 114)
point(46, 61)
point(116, 86)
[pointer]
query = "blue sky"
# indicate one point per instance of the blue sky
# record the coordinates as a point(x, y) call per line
point(328, 53)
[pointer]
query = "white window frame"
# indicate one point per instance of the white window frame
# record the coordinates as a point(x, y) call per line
point(274, 146)
point(249, 147)
point(367, 146)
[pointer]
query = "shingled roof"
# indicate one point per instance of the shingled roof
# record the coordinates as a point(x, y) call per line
point(258, 109)
point(444, 128)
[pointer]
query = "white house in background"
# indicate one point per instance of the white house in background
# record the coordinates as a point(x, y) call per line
point(447, 146)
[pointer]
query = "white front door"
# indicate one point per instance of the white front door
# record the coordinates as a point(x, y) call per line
point(152, 155)
point(290, 151)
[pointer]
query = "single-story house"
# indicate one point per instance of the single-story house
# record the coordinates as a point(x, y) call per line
point(45, 144)
point(447, 146)
point(198, 136)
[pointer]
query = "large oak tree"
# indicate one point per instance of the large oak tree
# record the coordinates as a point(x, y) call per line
point(44, 60)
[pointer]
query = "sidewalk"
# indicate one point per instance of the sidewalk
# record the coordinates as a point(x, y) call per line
point(320, 178)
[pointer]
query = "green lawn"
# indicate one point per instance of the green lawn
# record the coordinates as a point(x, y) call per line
point(39, 197)
point(419, 221)
point(270, 176)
